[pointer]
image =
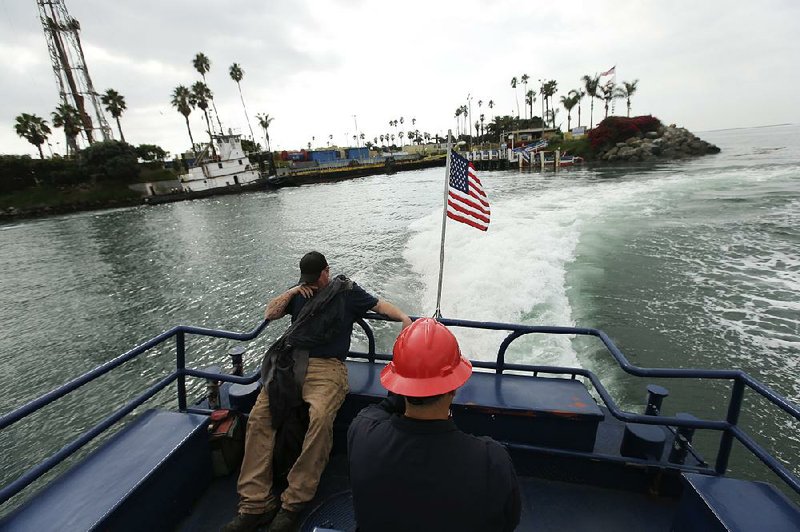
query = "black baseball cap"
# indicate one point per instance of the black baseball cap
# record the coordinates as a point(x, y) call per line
point(311, 266)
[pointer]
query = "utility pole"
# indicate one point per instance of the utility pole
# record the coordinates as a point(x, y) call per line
point(69, 65)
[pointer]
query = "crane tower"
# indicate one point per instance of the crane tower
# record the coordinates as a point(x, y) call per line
point(72, 75)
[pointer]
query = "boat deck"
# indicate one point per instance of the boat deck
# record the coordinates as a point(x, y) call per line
point(546, 505)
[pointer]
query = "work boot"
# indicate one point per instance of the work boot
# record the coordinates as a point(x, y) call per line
point(250, 522)
point(285, 521)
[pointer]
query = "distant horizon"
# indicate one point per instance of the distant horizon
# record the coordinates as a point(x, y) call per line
point(747, 127)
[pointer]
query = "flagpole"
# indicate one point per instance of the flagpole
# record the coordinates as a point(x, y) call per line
point(438, 312)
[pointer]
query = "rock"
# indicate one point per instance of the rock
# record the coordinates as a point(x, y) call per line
point(651, 135)
point(712, 148)
point(626, 152)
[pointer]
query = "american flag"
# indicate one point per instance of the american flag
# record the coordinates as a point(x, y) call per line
point(610, 71)
point(466, 200)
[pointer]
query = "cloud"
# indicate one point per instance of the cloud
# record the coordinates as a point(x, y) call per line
point(318, 67)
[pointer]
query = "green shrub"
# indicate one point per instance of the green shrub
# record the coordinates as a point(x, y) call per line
point(111, 160)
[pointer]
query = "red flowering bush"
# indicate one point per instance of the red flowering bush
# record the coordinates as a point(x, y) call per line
point(619, 129)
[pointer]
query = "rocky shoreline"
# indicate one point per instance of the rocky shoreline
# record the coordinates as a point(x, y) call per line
point(13, 213)
point(666, 143)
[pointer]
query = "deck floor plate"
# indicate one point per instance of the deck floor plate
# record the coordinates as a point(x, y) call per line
point(547, 505)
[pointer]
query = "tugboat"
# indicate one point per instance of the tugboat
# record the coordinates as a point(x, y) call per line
point(223, 167)
point(583, 462)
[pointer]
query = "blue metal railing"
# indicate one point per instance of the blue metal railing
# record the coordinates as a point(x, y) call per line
point(729, 427)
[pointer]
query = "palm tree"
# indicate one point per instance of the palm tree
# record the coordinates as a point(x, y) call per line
point(610, 92)
point(514, 86)
point(400, 136)
point(202, 64)
point(34, 129)
point(458, 122)
point(202, 95)
point(237, 74)
point(482, 117)
point(627, 90)
point(381, 137)
point(548, 91)
point(264, 121)
point(491, 106)
point(578, 94)
point(569, 102)
point(530, 97)
point(183, 101)
point(115, 104)
point(69, 119)
point(591, 84)
point(524, 79)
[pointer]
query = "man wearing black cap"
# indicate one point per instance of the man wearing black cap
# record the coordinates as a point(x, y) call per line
point(323, 389)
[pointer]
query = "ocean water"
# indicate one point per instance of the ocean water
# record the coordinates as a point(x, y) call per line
point(693, 263)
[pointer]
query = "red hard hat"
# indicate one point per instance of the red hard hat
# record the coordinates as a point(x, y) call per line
point(426, 361)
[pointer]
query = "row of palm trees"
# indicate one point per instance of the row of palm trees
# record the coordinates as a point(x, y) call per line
point(592, 87)
point(199, 95)
point(36, 130)
point(387, 139)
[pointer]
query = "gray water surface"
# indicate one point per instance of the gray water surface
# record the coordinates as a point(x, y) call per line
point(685, 264)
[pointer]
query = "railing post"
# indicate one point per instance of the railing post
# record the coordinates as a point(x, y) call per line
point(180, 345)
point(726, 442)
point(655, 398)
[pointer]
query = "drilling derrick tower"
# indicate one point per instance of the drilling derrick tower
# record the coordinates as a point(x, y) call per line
point(72, 75)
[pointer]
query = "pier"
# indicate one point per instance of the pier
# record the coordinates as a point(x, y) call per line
point(504, 159)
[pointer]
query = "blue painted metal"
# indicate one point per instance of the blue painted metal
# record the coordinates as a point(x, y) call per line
point(151, 464)
point(728, 427)
point(726, 441)
point(180, 362)
point(357, 153)
point(323, 156)
point(19, 484)
point(725, 504)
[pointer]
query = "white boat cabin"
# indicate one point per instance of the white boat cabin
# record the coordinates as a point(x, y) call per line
point(228, 166)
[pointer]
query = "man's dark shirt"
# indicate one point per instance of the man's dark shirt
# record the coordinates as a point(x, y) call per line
point(357, 304)
point(413, 475)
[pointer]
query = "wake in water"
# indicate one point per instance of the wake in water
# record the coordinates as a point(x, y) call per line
point(517, 271)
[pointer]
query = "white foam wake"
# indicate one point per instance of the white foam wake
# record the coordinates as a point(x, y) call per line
point(515, 272)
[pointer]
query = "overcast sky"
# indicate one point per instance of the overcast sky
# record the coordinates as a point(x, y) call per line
point(314, 65)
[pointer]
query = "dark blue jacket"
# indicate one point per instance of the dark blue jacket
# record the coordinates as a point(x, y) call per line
point(411, 475)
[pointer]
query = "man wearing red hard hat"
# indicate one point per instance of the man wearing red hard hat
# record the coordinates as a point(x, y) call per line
point(411, 468)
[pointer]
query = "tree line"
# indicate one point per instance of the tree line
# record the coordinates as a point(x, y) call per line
point(36, 129)
point(591, 87)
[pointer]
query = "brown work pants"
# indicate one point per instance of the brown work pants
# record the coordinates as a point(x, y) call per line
point(324, 390)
